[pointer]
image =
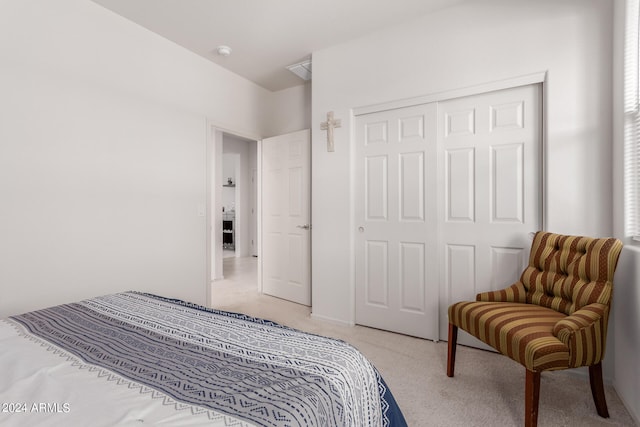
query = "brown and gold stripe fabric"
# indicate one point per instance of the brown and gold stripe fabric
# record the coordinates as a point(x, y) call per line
point(566, 273)
point(555, 316)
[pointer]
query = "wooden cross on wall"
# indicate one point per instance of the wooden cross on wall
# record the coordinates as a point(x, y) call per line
point(329, 125)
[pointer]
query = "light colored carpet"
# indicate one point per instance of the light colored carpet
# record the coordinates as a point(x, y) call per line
point(487, 390)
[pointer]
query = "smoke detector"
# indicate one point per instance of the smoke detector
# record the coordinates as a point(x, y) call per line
point(301, 69)
point(223, 50)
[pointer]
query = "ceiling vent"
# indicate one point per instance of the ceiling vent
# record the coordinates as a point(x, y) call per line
point(301, 69)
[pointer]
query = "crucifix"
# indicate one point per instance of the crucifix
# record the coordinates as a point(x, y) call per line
point(329, 125)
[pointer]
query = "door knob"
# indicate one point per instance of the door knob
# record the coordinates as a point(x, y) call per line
point(304, 227)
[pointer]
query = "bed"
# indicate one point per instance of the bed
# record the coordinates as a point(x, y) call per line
point(133, 359)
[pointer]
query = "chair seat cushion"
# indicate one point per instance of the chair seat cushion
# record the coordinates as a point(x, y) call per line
point(523, 332)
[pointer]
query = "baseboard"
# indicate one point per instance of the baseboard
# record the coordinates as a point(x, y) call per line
point(629, 406)
point(331, 320)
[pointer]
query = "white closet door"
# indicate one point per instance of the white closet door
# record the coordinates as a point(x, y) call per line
point(395, 236)
point(490, 158)
point(446, 195)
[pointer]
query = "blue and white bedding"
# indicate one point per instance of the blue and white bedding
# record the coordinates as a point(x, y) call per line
point(134, 359)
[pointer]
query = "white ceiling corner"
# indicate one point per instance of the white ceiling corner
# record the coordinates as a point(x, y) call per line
point(266, 36)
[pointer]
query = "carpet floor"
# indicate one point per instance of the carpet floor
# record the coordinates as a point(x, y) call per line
point(487, 390)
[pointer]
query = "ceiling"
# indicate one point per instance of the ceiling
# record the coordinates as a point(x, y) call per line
point(267, 35)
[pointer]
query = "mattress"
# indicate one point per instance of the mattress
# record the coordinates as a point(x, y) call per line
point(133, 359)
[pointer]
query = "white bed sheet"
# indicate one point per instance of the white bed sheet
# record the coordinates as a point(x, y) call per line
point(40, 385)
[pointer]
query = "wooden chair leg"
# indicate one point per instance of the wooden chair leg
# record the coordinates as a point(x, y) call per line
point(531, 398)
point(451, 354)
point(597, 389)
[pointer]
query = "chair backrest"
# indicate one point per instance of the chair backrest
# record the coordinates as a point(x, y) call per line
point(565, 273)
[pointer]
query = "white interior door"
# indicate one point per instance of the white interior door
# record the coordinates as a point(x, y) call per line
point(490, 158)
point(446, 195)
point(286, 211)
point(395, 240)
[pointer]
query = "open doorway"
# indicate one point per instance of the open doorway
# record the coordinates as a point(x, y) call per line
point(230, 172)
point(239, 201)
point(244, 179)
point(232, 168)
point(233, 194)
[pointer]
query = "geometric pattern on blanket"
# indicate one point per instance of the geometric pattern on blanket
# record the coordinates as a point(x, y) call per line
point(251, 369)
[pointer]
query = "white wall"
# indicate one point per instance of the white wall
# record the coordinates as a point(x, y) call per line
point(626, 299)
point(626, 331)
point(230, 162)
point(469, 45)
point(472, 44)
point(103, 130)
point(290, 111)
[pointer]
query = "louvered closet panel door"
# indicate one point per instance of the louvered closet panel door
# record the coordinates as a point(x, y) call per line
point(396, 269)
point(489, 149)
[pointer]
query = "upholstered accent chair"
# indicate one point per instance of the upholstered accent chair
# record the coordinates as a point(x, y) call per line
point(555, 317)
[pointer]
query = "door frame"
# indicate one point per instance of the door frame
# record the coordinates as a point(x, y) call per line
point(508, 83)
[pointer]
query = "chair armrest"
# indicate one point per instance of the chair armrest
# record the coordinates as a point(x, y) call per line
point(585, 333)
point(514, 293)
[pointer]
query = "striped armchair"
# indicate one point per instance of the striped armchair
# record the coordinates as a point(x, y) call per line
point(554, 317)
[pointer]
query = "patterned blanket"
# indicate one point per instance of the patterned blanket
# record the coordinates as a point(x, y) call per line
point(251, 369)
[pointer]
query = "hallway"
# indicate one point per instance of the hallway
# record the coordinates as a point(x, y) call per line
point(238, 292)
